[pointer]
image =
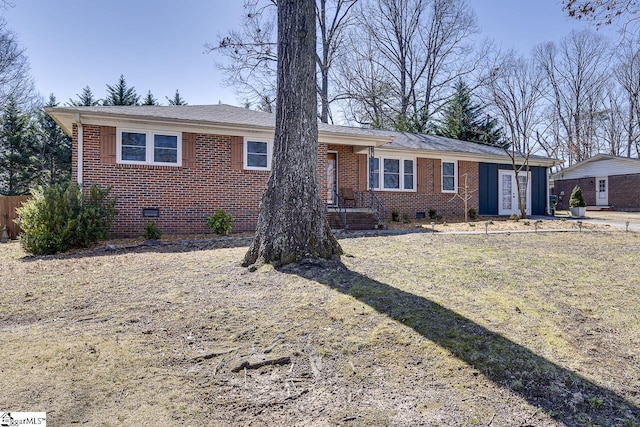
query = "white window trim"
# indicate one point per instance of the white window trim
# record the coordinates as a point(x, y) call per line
point(245, 146)
point(455, 176)
point(381, 160)
point(149, 147)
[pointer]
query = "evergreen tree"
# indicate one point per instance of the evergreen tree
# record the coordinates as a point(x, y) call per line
point(465, 119)
point(121, 94)
point(150, 99)
point(55, 148)
point(177, 99)
point(85, 99)
point(18, 160)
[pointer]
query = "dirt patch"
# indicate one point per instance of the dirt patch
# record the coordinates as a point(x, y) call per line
point(418, 329)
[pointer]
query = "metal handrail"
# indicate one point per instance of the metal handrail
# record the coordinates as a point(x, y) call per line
point(340, 206)
point(377, 206)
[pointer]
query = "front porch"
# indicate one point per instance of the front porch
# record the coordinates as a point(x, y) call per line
point(353, 219)
point(355, 210)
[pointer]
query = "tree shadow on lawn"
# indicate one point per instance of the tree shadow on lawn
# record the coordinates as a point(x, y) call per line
point(559, 392)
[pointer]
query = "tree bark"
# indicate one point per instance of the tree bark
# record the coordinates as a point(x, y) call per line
point(292, 224)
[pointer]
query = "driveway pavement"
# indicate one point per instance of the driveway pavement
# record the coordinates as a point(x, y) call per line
point(614, 219)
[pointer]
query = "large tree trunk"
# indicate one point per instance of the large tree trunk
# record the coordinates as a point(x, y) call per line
point(292, 224)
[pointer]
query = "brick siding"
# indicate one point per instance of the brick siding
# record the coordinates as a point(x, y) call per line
point(446, 205)
point(186, 196)
point(623, 191)
point(411, 202)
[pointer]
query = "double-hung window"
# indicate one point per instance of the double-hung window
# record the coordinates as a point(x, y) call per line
point(408, 173)
point(257, 154)
point(449, 176)
point(391, 173)
point(142, 147)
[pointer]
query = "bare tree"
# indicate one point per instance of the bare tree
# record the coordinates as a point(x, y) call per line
point(292, 224)
point(515, 88)
point(411, 51)
point(449, 53)
point(251, 55)
point(15, 80)
point(603, 11)
point(627, 74)
point(366, 85)
point(576, 72)
point(333, 19)
point(466, 194)
point(394, 26)
point(252, 51)
point(612, 118)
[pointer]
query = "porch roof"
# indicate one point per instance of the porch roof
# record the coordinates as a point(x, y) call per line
point(443, 146)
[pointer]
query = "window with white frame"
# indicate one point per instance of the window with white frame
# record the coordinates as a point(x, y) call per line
point(257, 154)
point(392, 173)
point(449, 176)
point(408, 174)
point(145, 147)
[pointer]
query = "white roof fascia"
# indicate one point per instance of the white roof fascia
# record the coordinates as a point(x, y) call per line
point(440, 154)
point(597, 158)
point(66, 119)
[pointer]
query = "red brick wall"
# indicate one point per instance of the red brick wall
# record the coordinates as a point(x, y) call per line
point(186, 196)
point(624, 191)
point(408, 202)
point(446, 204)
point(587, 186)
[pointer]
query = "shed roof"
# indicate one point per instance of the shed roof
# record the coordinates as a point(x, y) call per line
point(600, 165)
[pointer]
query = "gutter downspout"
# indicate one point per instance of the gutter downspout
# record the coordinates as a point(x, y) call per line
point(80, 147)
point(548, 202)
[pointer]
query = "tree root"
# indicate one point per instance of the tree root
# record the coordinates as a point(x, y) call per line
point(248, 365)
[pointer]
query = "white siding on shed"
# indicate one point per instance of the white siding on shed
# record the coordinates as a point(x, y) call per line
point(601, 168)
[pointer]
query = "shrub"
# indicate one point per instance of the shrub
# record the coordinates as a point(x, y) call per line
point(152, 231)
point(433, 214)
point(405, 218)
point(395, 215)
point(577, 199)
point(220, 222)
point(473, 214)
point(62, 217)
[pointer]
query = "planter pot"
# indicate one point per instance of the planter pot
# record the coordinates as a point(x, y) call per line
point(578, 212)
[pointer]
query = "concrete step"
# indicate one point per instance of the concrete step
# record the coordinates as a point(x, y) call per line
point(355, 220)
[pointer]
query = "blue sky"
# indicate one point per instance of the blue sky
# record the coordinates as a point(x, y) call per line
point(159, 44)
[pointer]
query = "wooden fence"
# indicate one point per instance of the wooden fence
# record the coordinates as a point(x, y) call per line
point(8, 205)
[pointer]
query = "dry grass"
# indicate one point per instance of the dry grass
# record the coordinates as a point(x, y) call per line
point(520, 329)
point(492, 225)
